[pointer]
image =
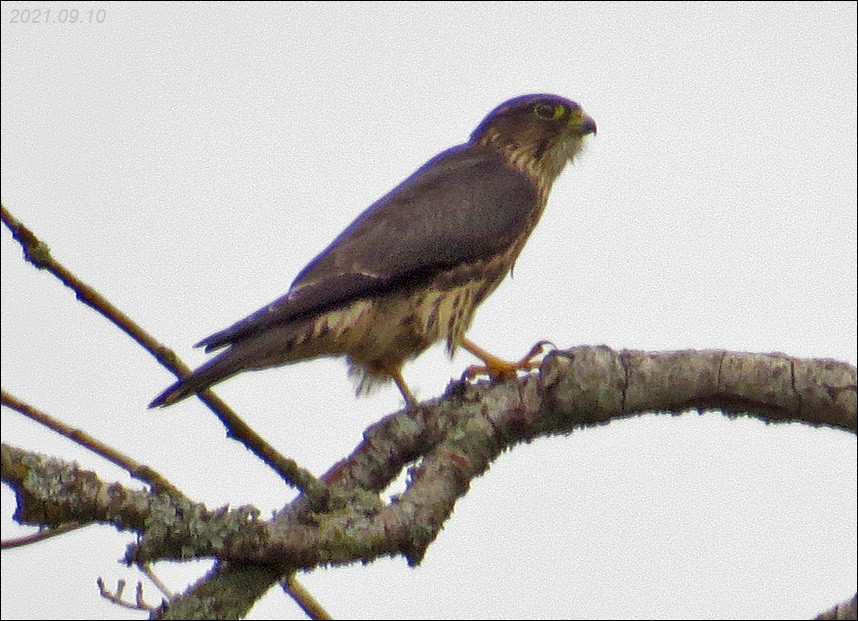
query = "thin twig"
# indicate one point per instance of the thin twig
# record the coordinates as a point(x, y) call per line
point(304, 598)
point(146, 570)
point(41, 535)
point(116, 597)
point(137, 470)
point(38, 253)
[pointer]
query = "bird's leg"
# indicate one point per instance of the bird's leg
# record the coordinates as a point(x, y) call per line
point(498, 369)
point(395, 372)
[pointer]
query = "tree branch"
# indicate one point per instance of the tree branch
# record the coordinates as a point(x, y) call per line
point(38, 253)
point(843, 610)
point(457, 437)
point(139, 471)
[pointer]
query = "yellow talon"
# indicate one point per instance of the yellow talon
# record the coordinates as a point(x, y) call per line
point(498, 369)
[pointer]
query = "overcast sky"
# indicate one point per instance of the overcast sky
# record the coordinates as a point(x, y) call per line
point(188, 160)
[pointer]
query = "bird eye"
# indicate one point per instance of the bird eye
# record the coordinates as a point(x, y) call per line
point(549, 112)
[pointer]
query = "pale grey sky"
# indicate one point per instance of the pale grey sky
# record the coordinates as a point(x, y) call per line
point(188, 160)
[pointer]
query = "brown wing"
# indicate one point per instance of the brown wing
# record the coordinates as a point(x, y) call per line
point(463, 205)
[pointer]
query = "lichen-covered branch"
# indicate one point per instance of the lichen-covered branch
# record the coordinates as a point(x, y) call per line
point(51, 492)
point(453, 440)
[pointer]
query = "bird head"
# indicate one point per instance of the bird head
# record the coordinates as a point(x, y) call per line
point(537, 134)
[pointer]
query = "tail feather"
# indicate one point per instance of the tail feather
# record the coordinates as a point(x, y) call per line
point(212, 372)
point(275, 346)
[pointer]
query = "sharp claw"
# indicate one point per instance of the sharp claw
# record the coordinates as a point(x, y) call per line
point(471, 372)
point(527, 362)
point(508, 370)
point(547, 343)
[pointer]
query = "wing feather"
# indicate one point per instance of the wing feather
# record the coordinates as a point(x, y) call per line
point(463, 205)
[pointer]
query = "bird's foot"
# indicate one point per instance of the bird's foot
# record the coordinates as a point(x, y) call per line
point(498, 369)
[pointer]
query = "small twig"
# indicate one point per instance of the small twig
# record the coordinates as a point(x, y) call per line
point(137, 470)
point(138, 597)
point(116, 597)
point(316, 491)
point(38, 253)
point(304, 598)
point(41, 535)
point(146, 570)
point(288, 469)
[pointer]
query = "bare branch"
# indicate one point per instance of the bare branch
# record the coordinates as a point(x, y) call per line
point(38, 253)
point(455, 438)
point(116, 596)
point(608, 385)
point(41, 535)
point(303, 598)
point(146, 570)
point(137, 470)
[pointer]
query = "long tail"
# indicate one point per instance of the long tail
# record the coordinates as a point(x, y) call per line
point(215, 370)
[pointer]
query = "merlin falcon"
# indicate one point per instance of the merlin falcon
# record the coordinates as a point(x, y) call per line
point(412, 269)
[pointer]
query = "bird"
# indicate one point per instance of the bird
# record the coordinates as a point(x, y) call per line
point(412, 268)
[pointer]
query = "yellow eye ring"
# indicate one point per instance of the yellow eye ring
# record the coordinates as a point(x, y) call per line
point(549, 112)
